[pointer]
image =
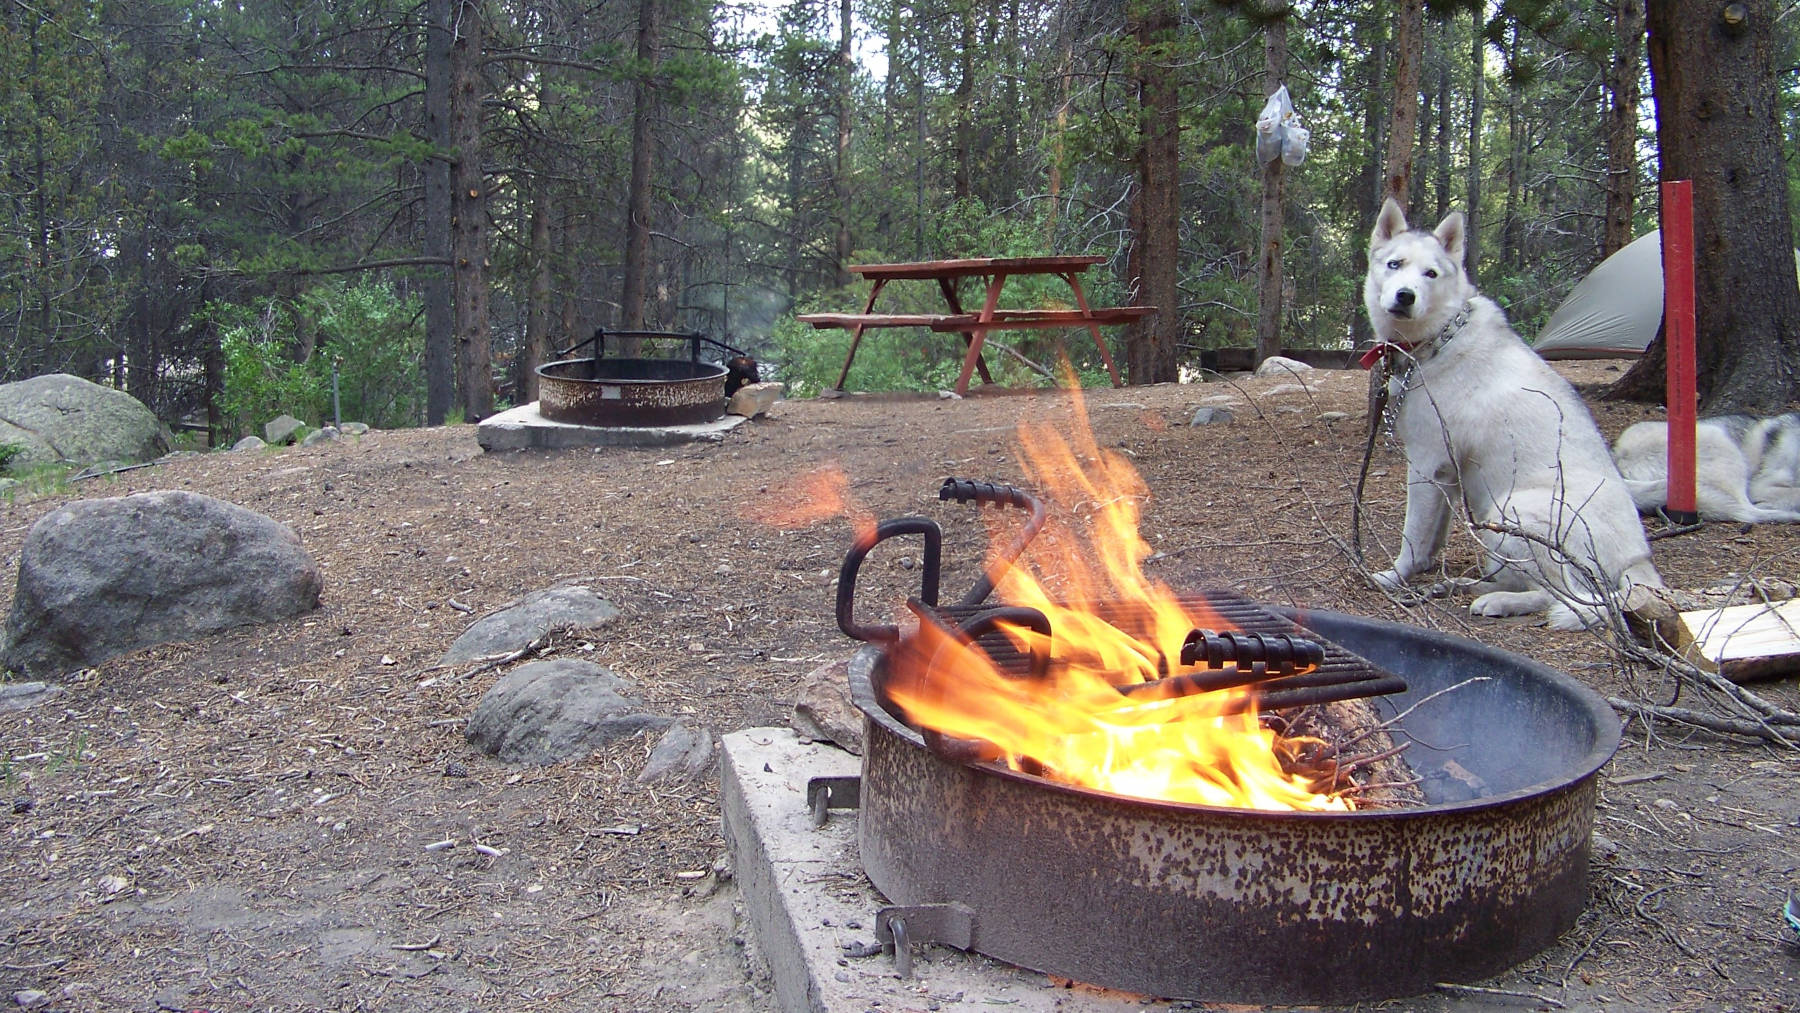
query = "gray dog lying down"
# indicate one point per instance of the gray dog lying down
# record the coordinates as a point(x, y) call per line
point(1745, 469)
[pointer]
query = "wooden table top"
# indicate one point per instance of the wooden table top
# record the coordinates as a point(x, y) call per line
point(929, 269)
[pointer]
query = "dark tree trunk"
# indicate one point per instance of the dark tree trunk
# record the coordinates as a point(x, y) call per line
point(1712, 71)
point(1621, 124)
point(965, 107)
point(841, 169)
point(1367, 196)
point(1150, 344)
point(635, 291)
point(469, 207)
point(440, 319)
point(535, 348)
point(1477, 91)
point(1269, 276)
point(1409, 48)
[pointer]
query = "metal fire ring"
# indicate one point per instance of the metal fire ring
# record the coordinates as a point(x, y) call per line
point(1233, 905)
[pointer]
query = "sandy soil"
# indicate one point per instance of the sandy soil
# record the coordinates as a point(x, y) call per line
point(242, 823)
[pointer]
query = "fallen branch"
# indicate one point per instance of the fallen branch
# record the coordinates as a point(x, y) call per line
point(1478, 990)
point(1764, 730)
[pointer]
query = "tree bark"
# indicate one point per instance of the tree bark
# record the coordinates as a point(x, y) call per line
point(1409, 49)
point(1150, 344)
point(1621, 124)
point(440, 318)
point(634, 294)
point(469, 207)
point(1268, 267)
point(1712, 73)
point(1477, 91)
point(535, 347)
point(841, 169)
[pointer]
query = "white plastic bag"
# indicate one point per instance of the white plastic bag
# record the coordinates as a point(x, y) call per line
point(1278, 131)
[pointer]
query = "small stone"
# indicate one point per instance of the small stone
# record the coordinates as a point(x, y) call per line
point(1209, 416)
point(21, 806)
point(456, 768)
point(30, 998)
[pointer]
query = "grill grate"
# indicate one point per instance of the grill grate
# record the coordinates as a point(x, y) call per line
point(1340, 675)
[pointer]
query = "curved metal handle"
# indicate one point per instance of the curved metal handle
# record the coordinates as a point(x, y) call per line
point(964, 490)
point(846, 590)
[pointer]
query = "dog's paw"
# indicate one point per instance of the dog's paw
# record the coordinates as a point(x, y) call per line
point(1388, 580)
point(1500, 604)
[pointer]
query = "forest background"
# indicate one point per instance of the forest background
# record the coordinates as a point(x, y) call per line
point(215, 206)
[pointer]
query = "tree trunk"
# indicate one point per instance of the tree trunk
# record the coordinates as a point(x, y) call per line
point(1409, 48)
point(535, 347)
point(1367, 196)
point(440, 319)
point(635, 291)
point(1621, 124)
point(1515, 167)
point(1150, 347)
point(469, 207)
point(1443, 124)
point(965, 105)
point(1712, 71)
point(1268, 266)
point(841, 170)
point(1477, 91)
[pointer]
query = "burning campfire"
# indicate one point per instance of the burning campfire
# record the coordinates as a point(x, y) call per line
point(1097, 675)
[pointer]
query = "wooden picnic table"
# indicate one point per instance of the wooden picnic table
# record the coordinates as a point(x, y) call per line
point(975, 326)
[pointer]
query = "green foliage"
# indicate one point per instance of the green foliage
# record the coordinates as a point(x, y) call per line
point(8, 451)
point(375, 338)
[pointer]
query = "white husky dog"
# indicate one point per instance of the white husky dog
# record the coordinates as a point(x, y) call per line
point(1487, 425)
point(1745, 469)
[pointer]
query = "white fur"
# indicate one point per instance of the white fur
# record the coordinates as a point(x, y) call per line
point(1487, 425)
point(1745, 470)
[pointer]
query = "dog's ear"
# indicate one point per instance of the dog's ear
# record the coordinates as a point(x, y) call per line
point(1450, 232)
point(1388, 224)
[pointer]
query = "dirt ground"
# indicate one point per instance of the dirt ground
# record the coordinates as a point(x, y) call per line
point(245, 822)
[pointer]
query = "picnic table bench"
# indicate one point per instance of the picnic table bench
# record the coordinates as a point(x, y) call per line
point(974, 327)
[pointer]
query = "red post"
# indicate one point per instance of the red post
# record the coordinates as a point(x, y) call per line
point(1678, 336)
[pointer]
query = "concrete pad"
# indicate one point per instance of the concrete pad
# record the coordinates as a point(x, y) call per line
point(812, 912)
point(523, 428)
point(807, 898)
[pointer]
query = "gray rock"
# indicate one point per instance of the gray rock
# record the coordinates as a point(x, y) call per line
point(1334, 417)
point(1210, 416)
point(549, 711)
point(323, 434)
point(7, 485)
point(250, 443)
point(682, 754)
point(282, 429)
point(30, 998)
point(98, 578)
point(354, 428)
point(1281, 365)
point(58, 417)
point(538, 613)
point(18, 696)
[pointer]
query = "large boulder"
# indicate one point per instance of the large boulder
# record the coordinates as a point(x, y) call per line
point(98, 578)
point(58, 417)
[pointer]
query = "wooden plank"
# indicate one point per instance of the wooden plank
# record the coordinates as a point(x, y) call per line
point(1024, 319)
point(1742, 642)
point(928, 269)
point(849, 320)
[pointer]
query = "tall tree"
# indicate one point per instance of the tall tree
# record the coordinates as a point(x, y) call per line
point(1622, 76)
point(1409, 52)
point(440, 313)
point(1150, 344)
point(632, 298)
point(469, 242)
point(1269, 275)
point(1712, 74)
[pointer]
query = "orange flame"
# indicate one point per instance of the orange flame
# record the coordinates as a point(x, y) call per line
point(1073, 725)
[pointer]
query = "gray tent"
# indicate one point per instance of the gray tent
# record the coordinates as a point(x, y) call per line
point(1615, 311)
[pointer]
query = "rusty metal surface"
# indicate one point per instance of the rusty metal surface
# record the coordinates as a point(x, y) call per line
point(631, 392)
point(1230, 905)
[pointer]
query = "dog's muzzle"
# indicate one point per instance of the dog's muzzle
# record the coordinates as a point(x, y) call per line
point(1403, 303)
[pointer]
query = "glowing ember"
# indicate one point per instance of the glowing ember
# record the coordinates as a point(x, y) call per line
point(1072, 724)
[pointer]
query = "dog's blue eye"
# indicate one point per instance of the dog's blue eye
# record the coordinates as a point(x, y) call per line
point(1430, 273)
point(1393, 265)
